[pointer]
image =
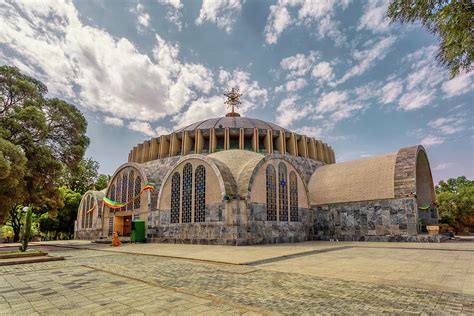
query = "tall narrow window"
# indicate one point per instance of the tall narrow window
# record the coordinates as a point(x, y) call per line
point(200, 194)
point(84, 210)
point(124, 190)
point(112, 196)
point(119, 191)
point(187, 193)
point(138, 187)
point(283, 192)
point(131, 178)
point(293, 197)
point(91, 204)
point(175, 197)
point(111, 225)
point(271, 193)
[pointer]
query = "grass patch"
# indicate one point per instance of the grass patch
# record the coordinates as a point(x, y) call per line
point(19, 254)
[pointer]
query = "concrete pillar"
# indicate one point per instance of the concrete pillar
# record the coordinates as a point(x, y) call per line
point(186, 143)
point(325, 153)
point(291, 145)
point(212, 141)
point(134, 154)
point(269, 141)
point(175, 146)
point(255, 140)
point(319, 151)
point(164, 146)
point(154, 149)
point(199, 141)
point(241, 139)
point(146, 150)
point(302, 147)
point(226, 139)
point(140, 153)
point(129, 156)
point(312, 153)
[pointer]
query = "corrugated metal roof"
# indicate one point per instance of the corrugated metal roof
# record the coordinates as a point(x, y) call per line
point(232, 122)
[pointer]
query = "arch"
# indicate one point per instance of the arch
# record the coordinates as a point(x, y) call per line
point(293, 197)
point(271, 193)
point(200, 194)
point(83, 215)
point(282, 192)
point(138, 187)
point(124, 189)
point(175, 198)
point(187, 201)
point(118, 194)
point(91, 204)
point(131, 179)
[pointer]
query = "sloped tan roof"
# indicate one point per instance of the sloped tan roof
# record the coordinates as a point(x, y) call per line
point(359, 180)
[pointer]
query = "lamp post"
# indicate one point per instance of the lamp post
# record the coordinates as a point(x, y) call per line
point(27, 229)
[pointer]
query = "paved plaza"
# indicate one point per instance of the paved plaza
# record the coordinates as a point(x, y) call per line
point(304, 278)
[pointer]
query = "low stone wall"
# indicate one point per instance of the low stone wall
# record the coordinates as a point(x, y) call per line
point(87, 234)
point(379, 220)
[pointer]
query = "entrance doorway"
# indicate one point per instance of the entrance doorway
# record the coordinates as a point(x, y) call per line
point(123, 225)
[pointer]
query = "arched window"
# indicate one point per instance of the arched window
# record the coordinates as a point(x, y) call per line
point(293, 197)
point(83, 215)
point(200, 194)
point(271, 193)
point(138, 187)
point(112, 195)
point(187, 193)
point(124, 190)
point(119, 191)
point(175, 197)
point(131, 178)
point(91, 204)
point(283, 192)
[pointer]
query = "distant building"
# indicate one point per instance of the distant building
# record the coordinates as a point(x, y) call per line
point(239, 181)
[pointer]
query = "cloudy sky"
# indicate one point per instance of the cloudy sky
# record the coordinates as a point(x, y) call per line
point(335, 70)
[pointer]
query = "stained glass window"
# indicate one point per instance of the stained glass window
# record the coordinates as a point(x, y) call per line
point(293, 197)
point(91, 204)
point(112, 195)
point(111, 225)
point(124, 190)
point(138, 187)
point(83, 217)
point(119, 191)
point(175, 197)
point(187, 193)
point(200, 194)
point(282, 192)
point(131, 178)
point(271, 193)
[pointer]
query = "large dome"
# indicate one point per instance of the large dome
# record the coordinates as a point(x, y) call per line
point(232, 122)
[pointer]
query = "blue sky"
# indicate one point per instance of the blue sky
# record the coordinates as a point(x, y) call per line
point(335, 70)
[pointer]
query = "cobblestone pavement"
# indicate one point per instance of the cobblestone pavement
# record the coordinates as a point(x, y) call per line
point(91, 281)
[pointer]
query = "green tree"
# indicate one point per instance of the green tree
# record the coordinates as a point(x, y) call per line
point(455, 199)
point(102, 182)
point(49, 132)
point(83, 177)
point(451, 21)
point(15, 221)
point(12, 172)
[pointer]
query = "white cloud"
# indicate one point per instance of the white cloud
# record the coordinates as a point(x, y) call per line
point(443, 166)
point(318, 14)
point(374, 17)
point(448, 125)
point(174, 11)
point(299, 64)
point(288, 111)
point(391, 91)
point(292, 85)
point(416, 99)
point(202, 109)
point(277, 21)
point(143, 18)
point(221, 12)
point(367, 58)
point(458, 85)
point(323, 71)
point(90, 67)
point(145, 128)
point(113, 121)
point(329, 102)
point(432, 140)
point(311, 131)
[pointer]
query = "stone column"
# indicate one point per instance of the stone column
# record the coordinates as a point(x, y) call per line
point(269, 141)
point(140, 153)
point(199, 141)
point(212, 141)
point(312, 149)
point(319, 150)
point(154, 149)
point(303, 147)
point(226, 139)
point(146, 150)
point(241, 139)
point(255, 140)
point(164, 146)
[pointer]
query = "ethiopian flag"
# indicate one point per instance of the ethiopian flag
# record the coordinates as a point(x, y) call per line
point(148, 187)
point(113, 204)
point(91, 209)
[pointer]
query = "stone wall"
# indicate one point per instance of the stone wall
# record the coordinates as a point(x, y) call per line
point(379, 220)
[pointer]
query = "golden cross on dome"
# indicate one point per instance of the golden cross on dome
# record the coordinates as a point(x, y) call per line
point(233, 100)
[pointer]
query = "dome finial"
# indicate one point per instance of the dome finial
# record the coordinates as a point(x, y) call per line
point(233, 100)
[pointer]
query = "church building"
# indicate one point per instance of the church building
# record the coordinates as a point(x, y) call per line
point(235, 180)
